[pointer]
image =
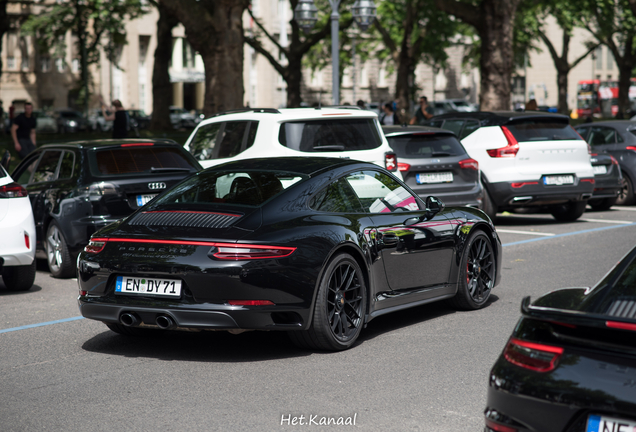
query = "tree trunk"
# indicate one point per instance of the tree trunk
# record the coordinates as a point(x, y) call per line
point(215, 31)
point(402, 87)
point(293, 78)
point(496, 63)
point(624, 82)
point(562, 84)
point(493, 20)
point(161, 86)
point(4, 26)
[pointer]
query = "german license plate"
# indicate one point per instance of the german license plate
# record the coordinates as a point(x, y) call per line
point(597, 423)
point(439, 177)
point(600, 169)
point(148, 286)
point(144, 199)
point(558, 180)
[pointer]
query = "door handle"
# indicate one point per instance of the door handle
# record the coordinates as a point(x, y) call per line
point(390, 240)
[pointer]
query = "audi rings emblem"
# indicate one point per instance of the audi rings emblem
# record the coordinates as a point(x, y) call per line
point(156, 185)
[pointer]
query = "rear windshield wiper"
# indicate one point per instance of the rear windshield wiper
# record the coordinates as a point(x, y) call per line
point(329, 148)
point(168, 169)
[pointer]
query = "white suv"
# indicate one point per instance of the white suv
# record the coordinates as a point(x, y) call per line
point(345, 132)
point(526, 159)
point(17, 229)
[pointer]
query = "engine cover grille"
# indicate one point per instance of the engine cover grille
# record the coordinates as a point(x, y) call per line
point(184, 219)
point(622, 309)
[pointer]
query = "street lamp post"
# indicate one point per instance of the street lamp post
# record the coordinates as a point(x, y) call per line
point(305, 15)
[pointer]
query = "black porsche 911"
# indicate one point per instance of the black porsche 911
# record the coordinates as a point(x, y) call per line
point(570, 364)
point(314, 246)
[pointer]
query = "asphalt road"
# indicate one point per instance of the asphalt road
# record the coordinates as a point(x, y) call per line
point(424, 369)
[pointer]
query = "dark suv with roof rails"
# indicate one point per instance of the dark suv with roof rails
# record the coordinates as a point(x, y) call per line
point(79, 187)
point(527, 159)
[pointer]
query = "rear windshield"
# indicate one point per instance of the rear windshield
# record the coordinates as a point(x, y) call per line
point(249, 188)
point(542, 130)
point(426, 145)
point(330, 135)
point(139, 160)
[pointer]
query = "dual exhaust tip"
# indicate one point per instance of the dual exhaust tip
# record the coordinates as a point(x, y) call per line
point(164, 322)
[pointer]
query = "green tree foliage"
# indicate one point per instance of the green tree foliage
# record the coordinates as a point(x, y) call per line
point(410, 32)
point(530, 27)
point(96, 24)
point(290, 64)
point(613, 23)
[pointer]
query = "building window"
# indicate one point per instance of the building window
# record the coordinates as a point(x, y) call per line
point(11, 63)
point(45, 64)
point(610, 59)
point(59, 64)
point(599, 57)
point(75, 65)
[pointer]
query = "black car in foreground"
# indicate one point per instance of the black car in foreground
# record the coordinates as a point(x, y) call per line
point(608, 181)
point(314, 246)
point(433, 162)
point(570, 364)
point(79, 187)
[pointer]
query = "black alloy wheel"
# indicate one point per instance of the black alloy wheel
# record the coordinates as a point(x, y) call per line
point(488, 206)
point(476, 273)
point(626, 194)
point(339, 309)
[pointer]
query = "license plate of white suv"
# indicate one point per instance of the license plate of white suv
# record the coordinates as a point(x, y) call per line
point(438, 177)
point(558, 180)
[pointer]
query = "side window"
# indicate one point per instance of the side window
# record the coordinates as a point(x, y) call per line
point(619, 138)
point(202, 145)
point(336, 198)
point(24, 174)
point(602, 135)
point(469, 127)
point(454, 126)
point(66, 167)
point(231, 138)
point(379, 193)
point(47, 167)
point(582, 131)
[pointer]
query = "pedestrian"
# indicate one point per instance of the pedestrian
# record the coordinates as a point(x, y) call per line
point(423, 113)
point(119, 116)
point(361, 104)
point(532, 105)
point(388, 117)
point(23, 131)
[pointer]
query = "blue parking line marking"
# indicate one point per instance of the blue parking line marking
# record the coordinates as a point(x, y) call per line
point(568, 234)
point(41, 324)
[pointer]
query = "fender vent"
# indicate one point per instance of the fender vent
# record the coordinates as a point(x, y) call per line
point(184, 219)
point(622, 309)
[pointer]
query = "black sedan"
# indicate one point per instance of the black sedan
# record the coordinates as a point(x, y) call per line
point(79, 187)
point(618, 139)
point(569, 365)
point(433, 162)
point(314, 246)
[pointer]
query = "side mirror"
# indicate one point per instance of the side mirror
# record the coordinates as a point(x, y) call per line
point(434, 205)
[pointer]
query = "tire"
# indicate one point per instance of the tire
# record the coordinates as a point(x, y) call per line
point(477, 273)
point(339, 309)
point(568, 212)
point(488, 206)
point(602, 204)
point(19, 278)
point(61, 264)
point(131, 331)
point(626, 195)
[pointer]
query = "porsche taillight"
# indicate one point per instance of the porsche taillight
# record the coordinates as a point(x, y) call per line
point(230, 251)
point(95, 245)
point(534, 356)
point(509, 150)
